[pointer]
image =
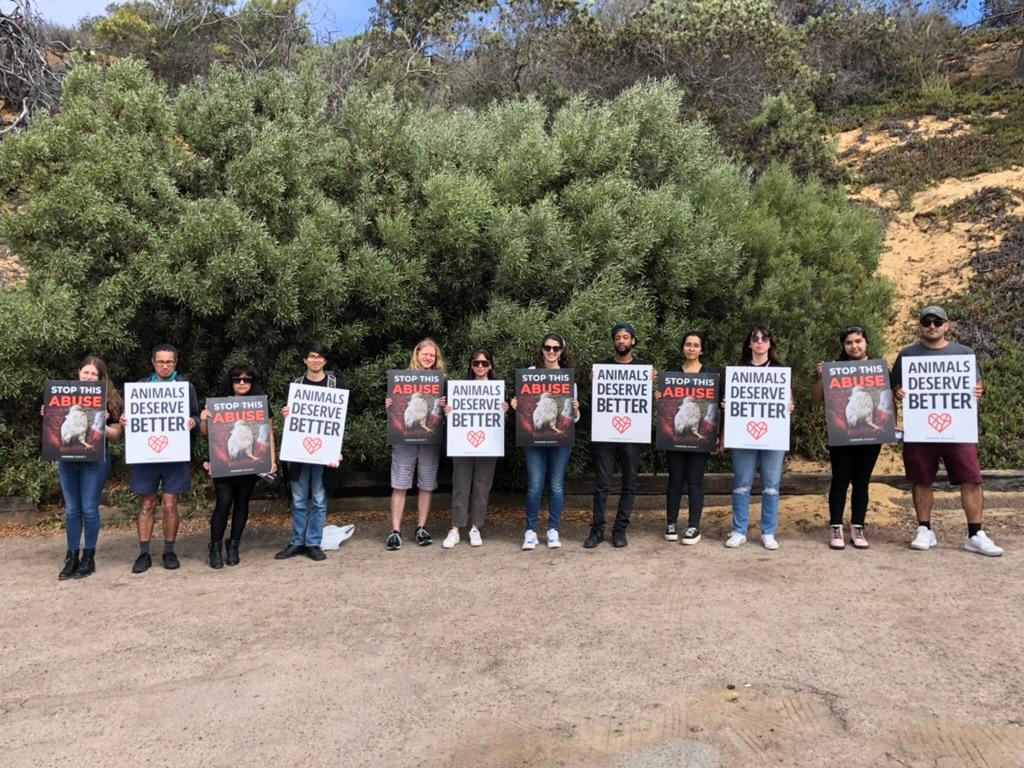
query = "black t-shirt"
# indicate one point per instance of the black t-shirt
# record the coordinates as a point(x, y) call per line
point(613, 361)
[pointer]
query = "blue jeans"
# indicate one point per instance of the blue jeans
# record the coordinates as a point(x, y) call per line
point(745, 462)
point(82, 483)
point(541, 463)
point(308, 527)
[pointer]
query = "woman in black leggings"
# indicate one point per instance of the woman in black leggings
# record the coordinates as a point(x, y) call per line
point(686, 468)
point(233, 493)
point(851, 464)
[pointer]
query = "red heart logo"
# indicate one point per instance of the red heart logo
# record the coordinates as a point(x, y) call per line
point(622, 423)
point(158, 442)
point(939, 421)
point(312, 444)
point(757, 429)
point(476, 438)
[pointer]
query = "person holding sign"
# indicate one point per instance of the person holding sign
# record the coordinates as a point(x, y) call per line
point(81, 482)
point(309, 492)
point(853, 464)
point(548, 462)
point(424, 459)
point(173, 478)
point(758, 352)
point(233, 492)
point(626, 455)
point(922, 366)
point(686, 468)
point(472, 476)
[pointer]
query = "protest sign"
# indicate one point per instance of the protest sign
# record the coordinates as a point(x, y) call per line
point(315, 425)
point(544, 413)
point(156, 422)
point(74, 421)
point(415, 413)
point(858, 402)
point(239, 435)
point(940, 406)
point(476, 424)
point(688, 412)
point(620, 409)
point(757, 407)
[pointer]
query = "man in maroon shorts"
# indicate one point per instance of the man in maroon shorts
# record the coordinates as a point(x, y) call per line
point(921, 460)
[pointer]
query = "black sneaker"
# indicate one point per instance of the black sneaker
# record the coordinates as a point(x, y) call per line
point(142, 563)
point(394, 541)
point(595, 538)
point(670, 533)
point(423, 538)
point(691, 536)
point(315, 553)
point(171, 561)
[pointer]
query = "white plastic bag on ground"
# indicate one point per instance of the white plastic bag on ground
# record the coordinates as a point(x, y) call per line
point(334, 535)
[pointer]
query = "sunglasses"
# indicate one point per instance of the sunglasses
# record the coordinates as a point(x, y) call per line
point(480, 364)
point(853, 329)
point(241, 380)
point(551, 348)
point(756, 337)
point(932, 322)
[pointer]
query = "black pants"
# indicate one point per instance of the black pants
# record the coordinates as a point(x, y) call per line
point(233, 494)
point(851, 464)
point(685, 468)
point(606, 455)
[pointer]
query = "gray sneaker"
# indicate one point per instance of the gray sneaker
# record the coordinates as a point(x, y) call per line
point(670, 533)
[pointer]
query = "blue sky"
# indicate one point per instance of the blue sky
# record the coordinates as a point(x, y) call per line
point(338, 17)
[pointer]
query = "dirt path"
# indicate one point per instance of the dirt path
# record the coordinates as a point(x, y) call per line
point(497, 657)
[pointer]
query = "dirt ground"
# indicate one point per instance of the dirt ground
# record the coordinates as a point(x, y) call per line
point(655, 655)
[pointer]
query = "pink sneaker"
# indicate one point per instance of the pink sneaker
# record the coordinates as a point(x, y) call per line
point(857, 537)
point(837, 542)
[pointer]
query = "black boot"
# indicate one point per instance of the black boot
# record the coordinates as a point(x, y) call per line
point(231, 551)
point(87, 565)
point(596, 537)
point(216, 557)
point(70, 563)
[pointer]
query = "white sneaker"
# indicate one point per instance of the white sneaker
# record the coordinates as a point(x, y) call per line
point(474, 538)
point(983, 545)
point(735, 539)
point(925, 539)
point(769, 541)
point(553, 541)
point(530, 540)
point(451, 539)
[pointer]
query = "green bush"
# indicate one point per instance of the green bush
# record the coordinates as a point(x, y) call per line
point(239, 220)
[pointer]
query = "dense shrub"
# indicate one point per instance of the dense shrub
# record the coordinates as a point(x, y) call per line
point(237, 221)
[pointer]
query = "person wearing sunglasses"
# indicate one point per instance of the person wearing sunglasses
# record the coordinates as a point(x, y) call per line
point(758, 350)
point(233, 493)
point(472, 477)
point(921, 460)
point(548, 463)
point(308, 482)
point(173, 478)
point(851, 464)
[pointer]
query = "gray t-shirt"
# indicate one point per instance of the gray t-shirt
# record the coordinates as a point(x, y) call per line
point(920, 350)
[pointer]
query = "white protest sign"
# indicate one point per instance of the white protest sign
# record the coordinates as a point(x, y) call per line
point(156, 422)
point(620, 408)
point(476, 425)
point(315, 425)
point(757, 407)
point(940, 406)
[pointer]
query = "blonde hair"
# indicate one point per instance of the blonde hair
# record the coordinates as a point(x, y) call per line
point(414, 363)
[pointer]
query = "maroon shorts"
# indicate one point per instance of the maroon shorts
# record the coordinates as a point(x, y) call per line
point(921, 461)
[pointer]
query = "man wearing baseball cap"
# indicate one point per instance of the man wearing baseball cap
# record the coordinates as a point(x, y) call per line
point(921, 460)
point(606, 455)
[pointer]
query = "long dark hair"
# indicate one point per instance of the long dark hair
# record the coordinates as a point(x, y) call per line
point(492, 373)
point(115, 405)
point(242, 369)
point(747, 355)
point(703, 344)
point(565, 359)
point(842, 339)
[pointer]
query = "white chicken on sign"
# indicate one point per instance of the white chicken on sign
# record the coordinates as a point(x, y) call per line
point(545, 415)
point(688, 417)
point(75, 427)
point(416, 412)
point(241, 441)
point(860, 408)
